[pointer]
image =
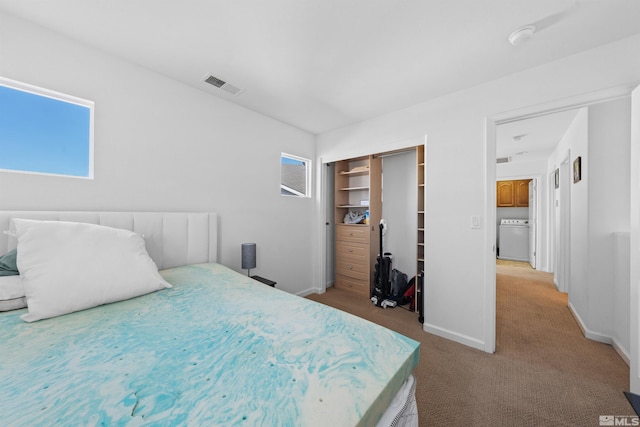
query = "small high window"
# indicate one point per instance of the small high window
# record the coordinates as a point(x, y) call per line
point(295, 176)
point(44, 132)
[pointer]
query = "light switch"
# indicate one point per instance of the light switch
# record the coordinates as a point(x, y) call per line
point(475, 221)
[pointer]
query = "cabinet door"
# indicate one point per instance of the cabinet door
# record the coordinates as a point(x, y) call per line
point(522, 193)
point(505, 194)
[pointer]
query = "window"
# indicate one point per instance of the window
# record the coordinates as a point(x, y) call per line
point(45, 132)
point(295, 176)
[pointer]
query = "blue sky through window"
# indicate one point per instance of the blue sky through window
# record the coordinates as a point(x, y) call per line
point(289, 161)
point(44, 135)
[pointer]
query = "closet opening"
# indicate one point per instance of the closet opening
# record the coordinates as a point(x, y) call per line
point(364, 193)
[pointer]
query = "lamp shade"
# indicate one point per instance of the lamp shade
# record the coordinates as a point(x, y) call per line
point(248, 255)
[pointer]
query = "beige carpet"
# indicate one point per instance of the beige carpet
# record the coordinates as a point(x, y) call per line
point(544, 372)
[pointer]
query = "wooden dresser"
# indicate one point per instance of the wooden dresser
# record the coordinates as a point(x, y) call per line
point(353, 268)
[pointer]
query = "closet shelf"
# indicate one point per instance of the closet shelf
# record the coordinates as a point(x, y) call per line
point(355, 172)
point(354, 188)
point(352, 206)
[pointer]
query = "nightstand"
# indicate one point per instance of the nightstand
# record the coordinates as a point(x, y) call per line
point(265, 281)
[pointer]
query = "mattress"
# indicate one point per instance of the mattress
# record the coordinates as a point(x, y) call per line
point(216, 349)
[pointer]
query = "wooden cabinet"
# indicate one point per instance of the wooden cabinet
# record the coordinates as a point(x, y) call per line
point(358, 189)
point(522, 193)
point(505, 194)
point(353, 265)
point(513, 193)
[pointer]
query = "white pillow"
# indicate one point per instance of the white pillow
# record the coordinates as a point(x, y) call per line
point(69, 266)
point(11, 293)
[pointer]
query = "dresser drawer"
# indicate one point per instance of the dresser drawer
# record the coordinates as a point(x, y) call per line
point(353, 269)
point(356, 286)
point(352, 233)
point(354, 251)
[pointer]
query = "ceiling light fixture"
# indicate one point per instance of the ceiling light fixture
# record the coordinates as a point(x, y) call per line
point(521, 35)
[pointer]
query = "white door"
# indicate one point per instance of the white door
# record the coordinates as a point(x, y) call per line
point(533, 221)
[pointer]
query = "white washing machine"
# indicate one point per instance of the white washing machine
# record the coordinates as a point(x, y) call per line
point(514, 239)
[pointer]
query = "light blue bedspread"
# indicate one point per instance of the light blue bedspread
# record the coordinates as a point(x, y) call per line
point(217, 349)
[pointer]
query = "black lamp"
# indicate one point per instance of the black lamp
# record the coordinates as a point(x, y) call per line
point(248, 257)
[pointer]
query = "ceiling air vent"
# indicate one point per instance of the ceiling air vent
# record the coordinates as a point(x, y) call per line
point(503, 159)
point(221, 84)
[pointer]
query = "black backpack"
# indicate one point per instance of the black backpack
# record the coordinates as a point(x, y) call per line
point(399, 284)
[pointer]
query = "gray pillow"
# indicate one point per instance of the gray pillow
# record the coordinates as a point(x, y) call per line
point(8, 265)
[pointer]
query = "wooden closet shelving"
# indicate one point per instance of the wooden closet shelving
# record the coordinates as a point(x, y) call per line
point(358, 188)
point(420, 179)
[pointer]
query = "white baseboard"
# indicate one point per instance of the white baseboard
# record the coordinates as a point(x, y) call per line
point(622, 352)
point(310, 291)
point(454, 336)
point(586, 331)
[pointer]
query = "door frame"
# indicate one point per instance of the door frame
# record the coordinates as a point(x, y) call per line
point(634, 274)
point(563, 248)
point(534, 199)
point(491, 122)
point(538, 179)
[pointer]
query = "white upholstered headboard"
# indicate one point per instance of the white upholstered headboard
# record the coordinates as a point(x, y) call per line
point(172, 239)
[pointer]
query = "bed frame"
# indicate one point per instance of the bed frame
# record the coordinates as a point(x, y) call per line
point(172, 239)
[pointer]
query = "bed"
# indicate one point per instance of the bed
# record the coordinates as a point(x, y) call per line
point(213, 347)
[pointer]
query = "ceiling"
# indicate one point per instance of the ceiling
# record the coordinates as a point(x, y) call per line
point(324, 64)
point(533, 138)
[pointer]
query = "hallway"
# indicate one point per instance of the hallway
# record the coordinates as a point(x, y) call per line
point(535, 328)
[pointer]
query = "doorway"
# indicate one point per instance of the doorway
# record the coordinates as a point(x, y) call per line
point(528, 147)
point(400, 195)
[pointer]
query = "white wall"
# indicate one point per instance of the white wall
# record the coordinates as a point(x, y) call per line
point(575, 142)
point(399, 209)
point(609, 213)
point(609, 186)
point(600, 208)
point(621, 335)
point(163, 146)
point(517, 170)
point(459, 301)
